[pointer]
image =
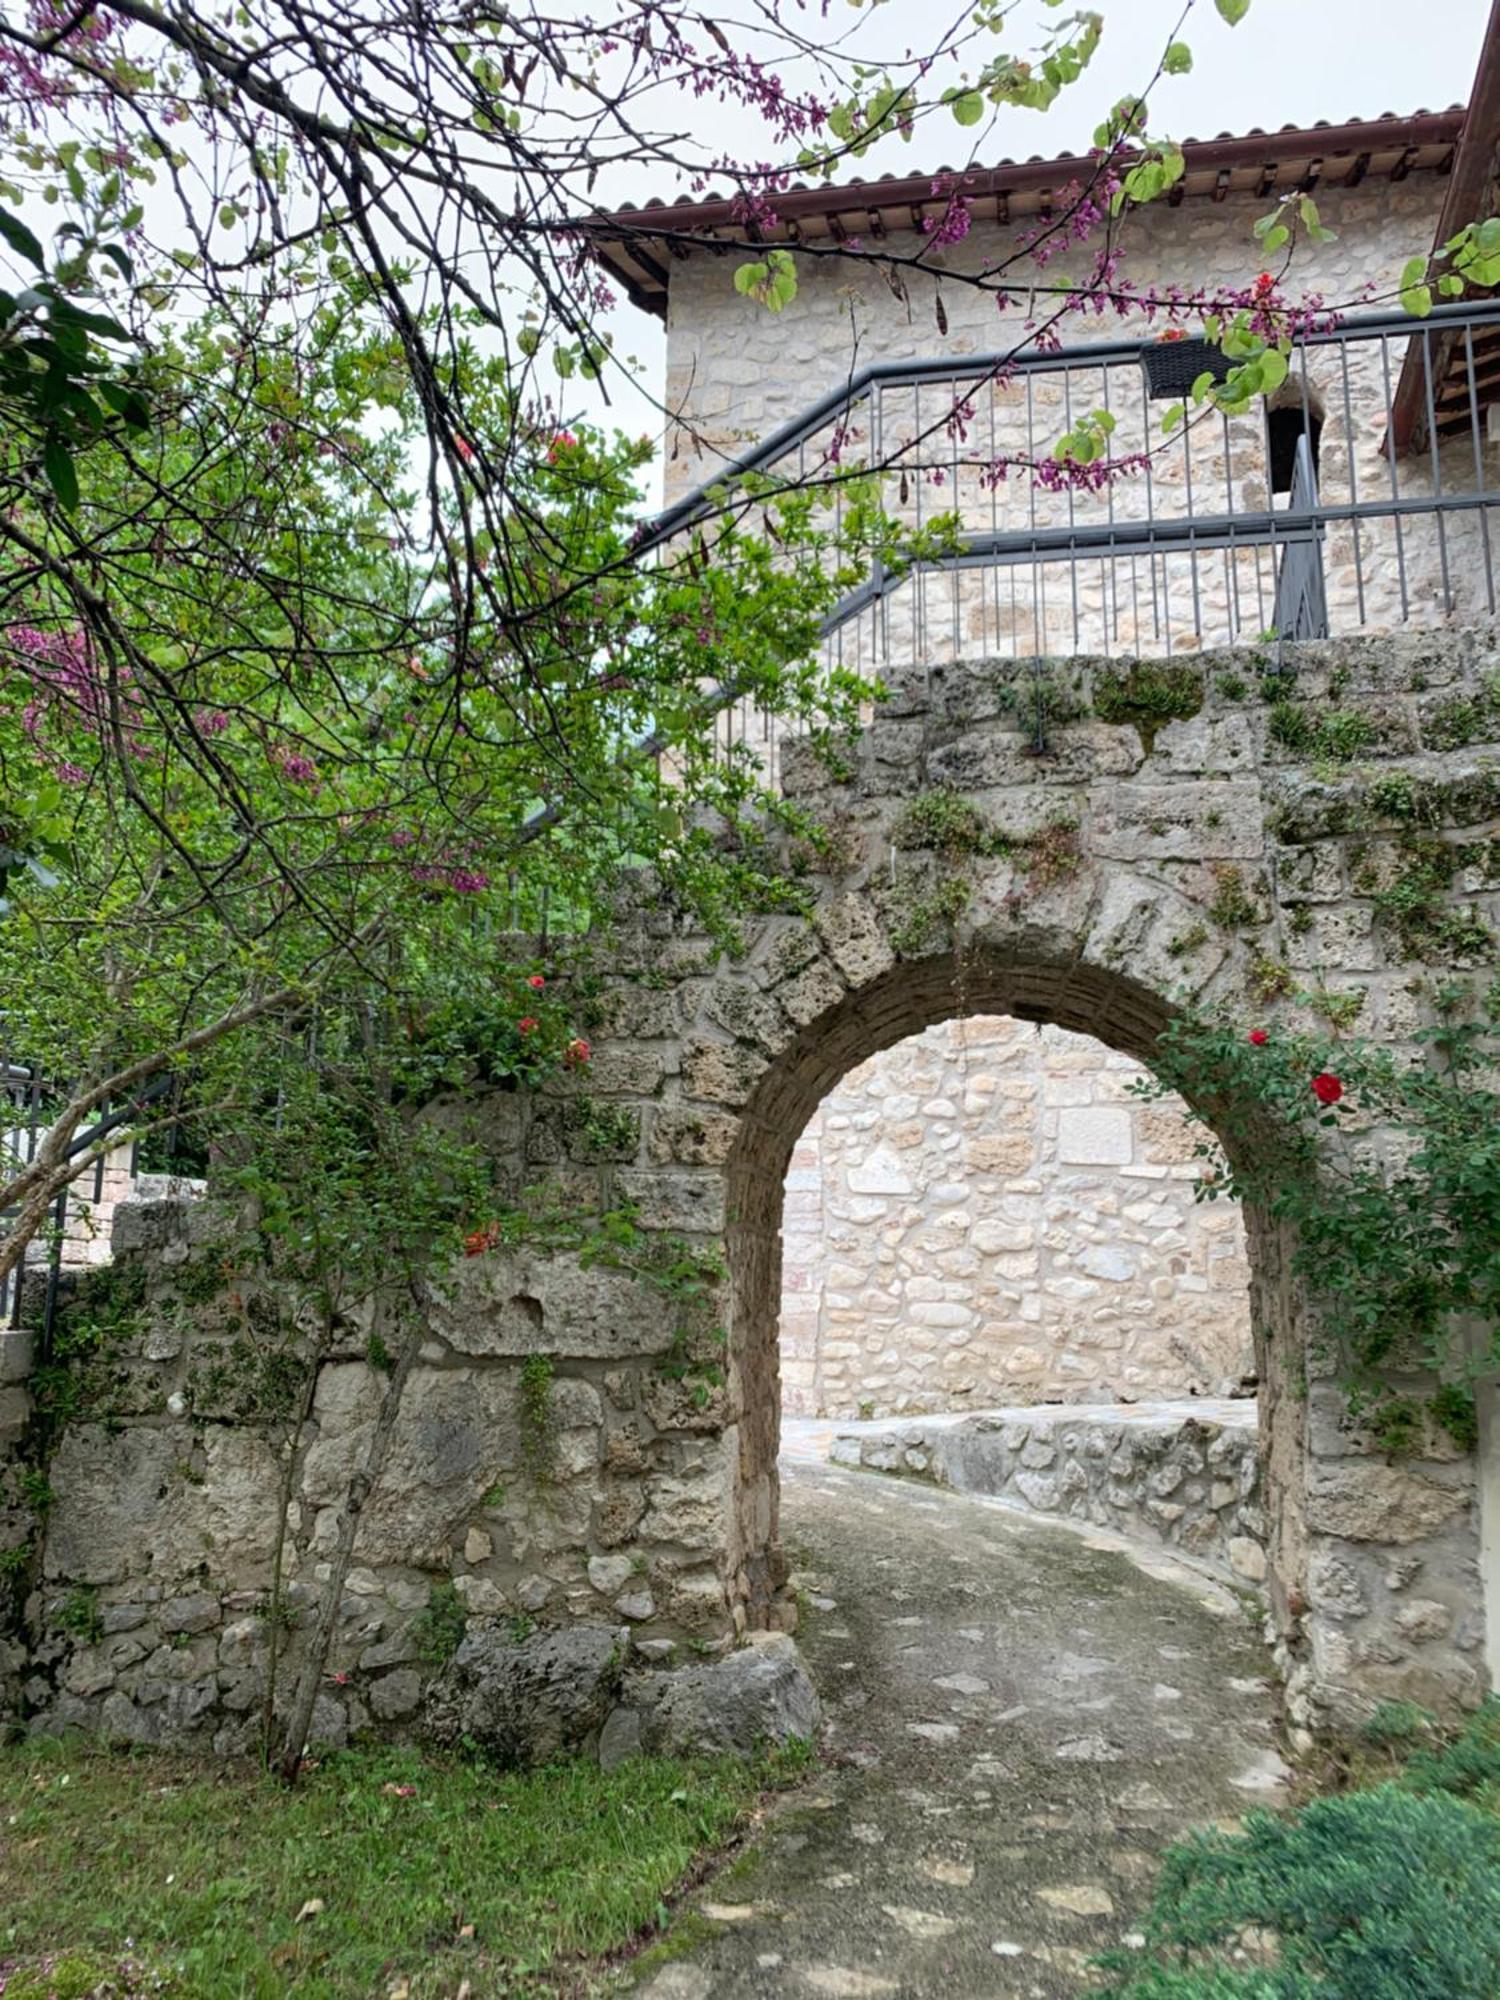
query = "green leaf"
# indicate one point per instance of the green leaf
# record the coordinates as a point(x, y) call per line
point(21, 240)
point(1178, 59)
point(57, 463)
point(968, 107)
point(1417, 300)
point(1233, 11)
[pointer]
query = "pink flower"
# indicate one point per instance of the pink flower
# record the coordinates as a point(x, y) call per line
point(1327, 1089)
point(562, 441)
point(536, 982)
point(295, 768)
point(577, 1053)
point(464, 449)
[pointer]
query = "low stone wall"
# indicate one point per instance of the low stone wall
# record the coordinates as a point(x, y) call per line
point(986, 1214)
point(1186, 1475)
point(138, 1557)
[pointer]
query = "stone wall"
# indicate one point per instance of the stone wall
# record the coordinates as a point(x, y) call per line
point(1185, 1476)
point(1119, 877)
point(986, 1215)
point(735, 372)
point(145, 1607)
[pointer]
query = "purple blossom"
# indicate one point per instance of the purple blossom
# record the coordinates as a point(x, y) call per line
point(295, 768)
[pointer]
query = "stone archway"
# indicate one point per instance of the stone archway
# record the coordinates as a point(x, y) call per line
point(1141, 865)
point(900, 998)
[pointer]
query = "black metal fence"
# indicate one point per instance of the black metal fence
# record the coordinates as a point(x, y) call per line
point(1305, 517)
point(27, 1104)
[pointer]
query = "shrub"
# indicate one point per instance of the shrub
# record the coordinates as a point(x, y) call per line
point(1377, 1895)
point(1468, 1767)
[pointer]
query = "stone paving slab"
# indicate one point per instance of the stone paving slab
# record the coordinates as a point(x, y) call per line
point(1019, 1719)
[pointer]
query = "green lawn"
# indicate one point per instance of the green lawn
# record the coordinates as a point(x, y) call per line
point(385, 1872)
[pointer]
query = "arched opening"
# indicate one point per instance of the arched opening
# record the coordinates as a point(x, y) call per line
point(909, 999)
point(990, 1216)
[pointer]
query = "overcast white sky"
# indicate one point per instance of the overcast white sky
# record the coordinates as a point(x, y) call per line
point(1288, 62)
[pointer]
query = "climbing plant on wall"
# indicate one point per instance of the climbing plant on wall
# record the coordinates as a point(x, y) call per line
point(1386, 1165)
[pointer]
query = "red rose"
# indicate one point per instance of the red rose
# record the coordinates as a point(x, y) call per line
point(527, 1024)
point(577, 1052)
point(1173, 333)
point(536, 982)
point(1259, 1037)
point(1327, 1089)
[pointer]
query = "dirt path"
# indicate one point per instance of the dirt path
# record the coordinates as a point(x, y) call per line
point(1020, 1717)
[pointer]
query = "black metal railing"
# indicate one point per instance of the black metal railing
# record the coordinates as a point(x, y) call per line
point(1198, 539)
point(27, 1099)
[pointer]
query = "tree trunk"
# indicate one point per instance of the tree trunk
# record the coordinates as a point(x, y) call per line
point(361, 1486)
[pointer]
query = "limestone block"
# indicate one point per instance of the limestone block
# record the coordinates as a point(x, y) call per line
point(526, 1702)
point(813, 992)
point(683, 1136)
point(721, 1072)
point(691, 1512)
point(1365, 1502)
point(1097, 1136)
point(757, 1695)
point(855, 941)
point(456, 1433)
point(1153, 822)
point(520, 1304)
point(396, 1695)
point(683, 1200)
point(880, 1172)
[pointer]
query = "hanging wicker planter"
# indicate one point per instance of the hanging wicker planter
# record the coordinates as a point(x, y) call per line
point(1173, 366)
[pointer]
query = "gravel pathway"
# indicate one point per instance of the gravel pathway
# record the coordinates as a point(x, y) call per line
point(1020, 1717)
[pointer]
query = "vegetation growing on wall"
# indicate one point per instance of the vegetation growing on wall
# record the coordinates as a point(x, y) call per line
point(1397, 1240)
point(1148, 695)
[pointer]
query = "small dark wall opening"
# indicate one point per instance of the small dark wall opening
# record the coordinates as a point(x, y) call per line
point(1284, 428)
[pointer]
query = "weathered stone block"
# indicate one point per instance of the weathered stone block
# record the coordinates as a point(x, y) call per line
point(525, 1702)
point(524, 1303)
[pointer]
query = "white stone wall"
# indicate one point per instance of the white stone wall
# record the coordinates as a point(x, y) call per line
point(984, 1215)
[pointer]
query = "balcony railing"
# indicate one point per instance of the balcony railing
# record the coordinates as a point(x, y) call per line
point(1188, 545)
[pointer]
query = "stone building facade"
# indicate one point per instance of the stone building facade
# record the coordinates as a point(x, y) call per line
point(565, 1450)
point(986, 1215)
point(735, 374)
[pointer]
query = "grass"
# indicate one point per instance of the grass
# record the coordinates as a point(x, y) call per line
point(385, 1873)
